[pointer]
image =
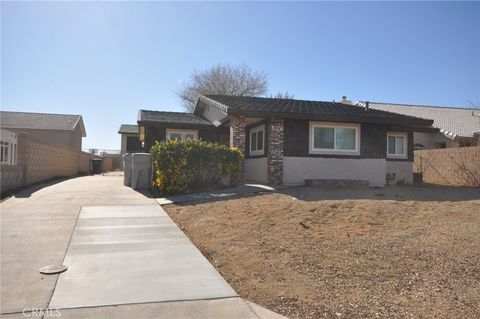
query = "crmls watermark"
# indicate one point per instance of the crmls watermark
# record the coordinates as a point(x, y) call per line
point(41, 313)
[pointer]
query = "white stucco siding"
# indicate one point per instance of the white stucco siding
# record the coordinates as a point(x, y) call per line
point(256, 169)
point(403, 171)
point(297, 169)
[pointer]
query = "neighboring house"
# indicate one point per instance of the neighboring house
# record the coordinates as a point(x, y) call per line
point(288, 141)
point(130, 142)
point(456, 126)
point(58, 128)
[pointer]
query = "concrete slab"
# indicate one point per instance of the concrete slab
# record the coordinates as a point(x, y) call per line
point(229, 308)
point(263, 313)
point(35, 229)
point(135, 254)
point(217, 194)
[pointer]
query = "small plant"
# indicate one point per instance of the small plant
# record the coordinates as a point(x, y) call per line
point(184, 166)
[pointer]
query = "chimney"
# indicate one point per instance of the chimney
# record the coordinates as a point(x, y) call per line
point(367, 106)
point(345, 101)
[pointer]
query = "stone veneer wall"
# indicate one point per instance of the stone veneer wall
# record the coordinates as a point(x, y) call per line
point(458, 166)
point(275, 151)
point(39, 160)
point(237, 139)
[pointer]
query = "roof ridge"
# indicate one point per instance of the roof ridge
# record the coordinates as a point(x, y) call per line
point(273, 98)
point(423, 105)
point(39, 113)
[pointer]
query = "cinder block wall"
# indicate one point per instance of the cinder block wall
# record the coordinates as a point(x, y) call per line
point(449, 166)
point(39, 160)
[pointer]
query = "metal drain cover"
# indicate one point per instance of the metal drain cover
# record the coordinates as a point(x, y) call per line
point(52, 269)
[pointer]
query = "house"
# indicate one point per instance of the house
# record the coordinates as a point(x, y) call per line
point(155, 125)
point(58, 128)
point(456, 126)
point(130, 142)
point(288, 141)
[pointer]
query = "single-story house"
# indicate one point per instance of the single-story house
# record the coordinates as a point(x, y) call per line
point(63, 129)
point(287, 141)
point(455, 126)
point(130, 142)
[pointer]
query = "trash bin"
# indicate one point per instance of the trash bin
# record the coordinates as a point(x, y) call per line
point(141, 170)
point(127, 169)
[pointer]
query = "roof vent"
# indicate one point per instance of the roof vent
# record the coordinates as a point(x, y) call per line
point(367, 106)
point(345, 100)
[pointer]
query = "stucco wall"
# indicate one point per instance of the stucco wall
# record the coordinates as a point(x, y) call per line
point(403, 171)
point(297, 169)
point(256, 169)
point(40, 159)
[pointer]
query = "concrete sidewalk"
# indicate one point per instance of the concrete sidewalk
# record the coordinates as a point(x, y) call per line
point(36, 227)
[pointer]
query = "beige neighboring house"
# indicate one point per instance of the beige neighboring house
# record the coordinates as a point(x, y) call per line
point(456, 126)
point(63, 129)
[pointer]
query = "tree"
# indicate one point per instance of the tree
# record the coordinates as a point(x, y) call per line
point(223, 79)
point(281, 95)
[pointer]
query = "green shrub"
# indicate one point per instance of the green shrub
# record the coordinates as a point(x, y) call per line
point(184, 166)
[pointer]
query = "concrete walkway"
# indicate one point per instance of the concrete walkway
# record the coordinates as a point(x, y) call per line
point(220, 194)
point(125, 262)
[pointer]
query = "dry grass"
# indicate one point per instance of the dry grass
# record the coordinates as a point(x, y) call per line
point(374, 253)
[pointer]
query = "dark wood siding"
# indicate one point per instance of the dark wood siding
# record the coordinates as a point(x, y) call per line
point(133, 144)
point(373, 140)
point(153, 133)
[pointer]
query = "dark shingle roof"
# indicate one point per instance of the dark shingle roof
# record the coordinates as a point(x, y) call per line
point(171, 118)
point(43, 121)
point(128, 129)
point(302, 109)
point(452, 121)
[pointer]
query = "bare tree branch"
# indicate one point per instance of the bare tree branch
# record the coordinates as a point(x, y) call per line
point(223, 79)
point(281, 95)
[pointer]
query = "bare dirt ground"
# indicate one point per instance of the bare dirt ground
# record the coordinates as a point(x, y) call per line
point(398, 252)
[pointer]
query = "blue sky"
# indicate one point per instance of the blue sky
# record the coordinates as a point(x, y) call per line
point(106, 60)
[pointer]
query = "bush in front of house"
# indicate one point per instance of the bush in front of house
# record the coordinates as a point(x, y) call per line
point(186, 166)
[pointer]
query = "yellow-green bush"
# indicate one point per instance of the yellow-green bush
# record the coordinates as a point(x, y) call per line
point(184, 166)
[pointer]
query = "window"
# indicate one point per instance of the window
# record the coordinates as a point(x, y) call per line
point(397, 145)
point(8, 153)
point(181, 135)
point(334, 138)
point(257, 140)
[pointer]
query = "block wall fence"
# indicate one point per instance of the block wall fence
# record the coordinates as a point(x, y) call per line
point(39, 160)
point(459, 166)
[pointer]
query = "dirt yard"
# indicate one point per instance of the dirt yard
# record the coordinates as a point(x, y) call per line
point(399, 252)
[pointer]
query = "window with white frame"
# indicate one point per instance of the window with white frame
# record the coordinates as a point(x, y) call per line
point(182, 135)
point(8, 153)
point(257, 140)
point(334, 138)
point(397, 144)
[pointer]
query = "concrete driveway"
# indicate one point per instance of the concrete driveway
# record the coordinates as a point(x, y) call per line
point(126, 258)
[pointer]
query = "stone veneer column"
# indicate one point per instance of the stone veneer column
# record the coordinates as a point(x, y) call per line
point(237, 139)
point(275, 151)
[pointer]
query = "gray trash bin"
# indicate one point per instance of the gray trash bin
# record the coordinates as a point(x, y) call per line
point(141, 171)
point(127, 169)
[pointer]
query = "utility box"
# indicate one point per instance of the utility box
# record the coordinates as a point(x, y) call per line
point(141, 171)
point(127, 169)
